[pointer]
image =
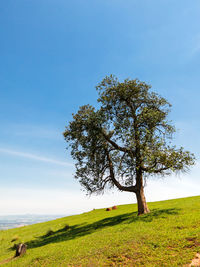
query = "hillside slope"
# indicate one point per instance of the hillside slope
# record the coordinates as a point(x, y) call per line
point(168, 236)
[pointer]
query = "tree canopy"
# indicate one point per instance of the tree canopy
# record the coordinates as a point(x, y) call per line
point(125, 140)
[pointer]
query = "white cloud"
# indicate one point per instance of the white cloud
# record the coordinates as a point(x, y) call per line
point(32, 131)
point(34, 157)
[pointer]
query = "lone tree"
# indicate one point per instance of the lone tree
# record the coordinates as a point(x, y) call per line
point(125, 141)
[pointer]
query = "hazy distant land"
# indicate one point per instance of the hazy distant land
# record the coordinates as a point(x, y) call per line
point(13, 221)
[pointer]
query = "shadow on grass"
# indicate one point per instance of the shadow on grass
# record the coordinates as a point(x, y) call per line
point(83, 229)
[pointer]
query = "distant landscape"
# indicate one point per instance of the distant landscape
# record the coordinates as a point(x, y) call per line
point(13, 221)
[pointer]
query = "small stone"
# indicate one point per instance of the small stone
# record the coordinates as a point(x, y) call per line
point(21, 249)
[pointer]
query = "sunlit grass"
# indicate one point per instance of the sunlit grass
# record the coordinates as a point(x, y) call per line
point(168, 236)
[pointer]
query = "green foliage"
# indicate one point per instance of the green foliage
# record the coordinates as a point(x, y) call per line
point(168, 236)
point(127, 138)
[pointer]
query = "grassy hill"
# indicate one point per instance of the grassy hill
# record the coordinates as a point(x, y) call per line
point(168, 236)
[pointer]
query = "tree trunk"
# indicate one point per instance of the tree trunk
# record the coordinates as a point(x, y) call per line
point(141, 202)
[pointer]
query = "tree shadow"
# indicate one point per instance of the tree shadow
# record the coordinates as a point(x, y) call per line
point(79, 230)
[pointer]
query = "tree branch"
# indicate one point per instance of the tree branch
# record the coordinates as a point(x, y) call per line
point(161, 169)
point(115, 145)
point(105, 181)
point(116, 183)
point(155, 171)
point(149, 168)
point(118, 147)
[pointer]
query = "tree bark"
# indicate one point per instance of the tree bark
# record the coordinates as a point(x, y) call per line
point(138, 189)
point(141, 202)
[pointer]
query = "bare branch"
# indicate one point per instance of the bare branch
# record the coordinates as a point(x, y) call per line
point(162, 169)
point(115, 145)
point(116, 183)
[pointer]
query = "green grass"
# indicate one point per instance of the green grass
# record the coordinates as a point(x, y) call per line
point(168, 236)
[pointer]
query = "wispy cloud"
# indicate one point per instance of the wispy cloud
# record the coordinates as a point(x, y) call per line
point(32, 131)
point(34, 157)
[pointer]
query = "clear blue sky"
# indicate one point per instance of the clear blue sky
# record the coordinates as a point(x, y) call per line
point(52, 54)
